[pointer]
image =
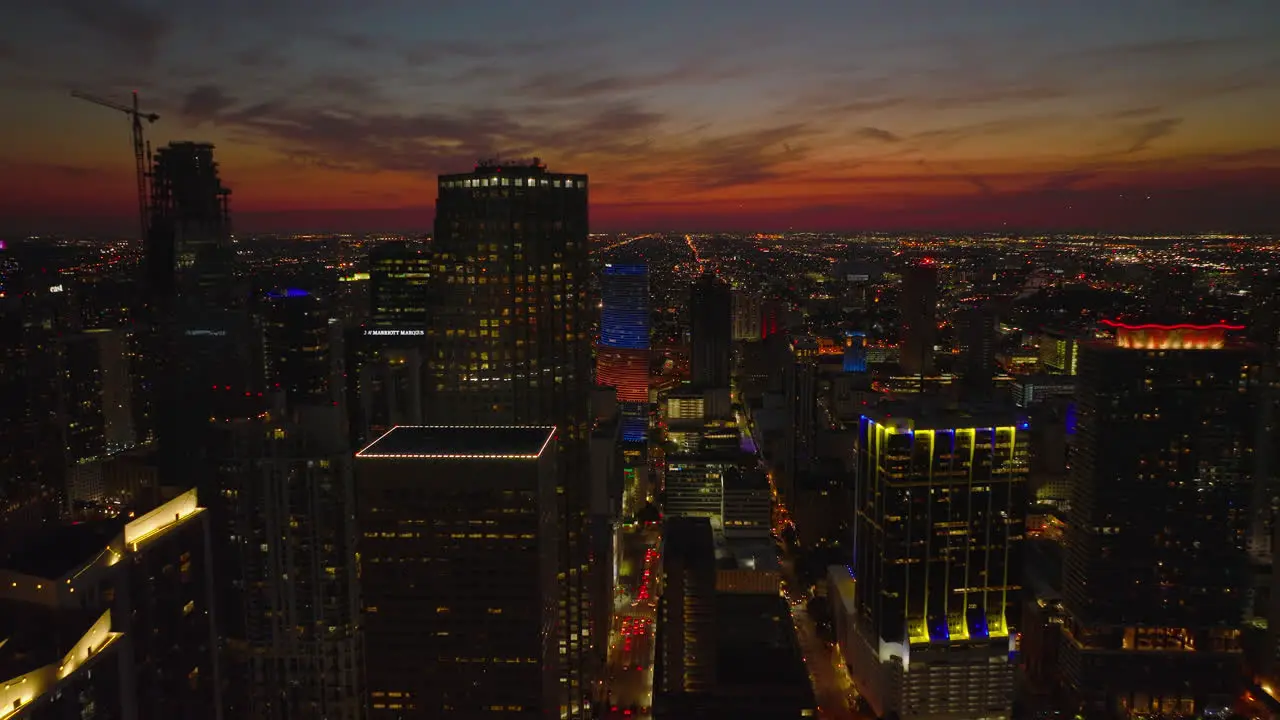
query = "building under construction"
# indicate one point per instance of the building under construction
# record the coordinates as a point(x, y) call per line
point(188, 244)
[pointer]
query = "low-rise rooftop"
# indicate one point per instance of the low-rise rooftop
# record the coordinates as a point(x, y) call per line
point(462, 442)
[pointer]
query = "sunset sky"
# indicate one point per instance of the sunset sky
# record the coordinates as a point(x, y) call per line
point(1148, 115)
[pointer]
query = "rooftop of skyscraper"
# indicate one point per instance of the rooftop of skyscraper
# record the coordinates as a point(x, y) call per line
point(937, 412)
point(466, 442)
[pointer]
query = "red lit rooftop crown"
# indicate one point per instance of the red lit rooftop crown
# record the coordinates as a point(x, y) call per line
point(1180, 336)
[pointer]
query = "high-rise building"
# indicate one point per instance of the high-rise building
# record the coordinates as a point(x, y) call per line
point(291, 606)
point(748, 312)
point(748, 504)
point(686, 610)
point(801, 398)
point(940, 497)
point(726, 647)
point(918, 305)
point(509, 342)
point(694, 484)
point(459, 560)
point(1155, 571)
point(976, 339)
point(296, 348)
point(1060, 351)
point(399, 277)
point(710, 331)
point(622, 355)
point(80, 399)
point(188, 245)
point(383, 380)
point(855, 352)
point(772, 318)
point(197, 333)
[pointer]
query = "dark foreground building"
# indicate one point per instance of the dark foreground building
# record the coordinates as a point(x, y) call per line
point(1156, 567)
point(509, 343)
point(722, 655)
point(112, 620)
point(458, 555)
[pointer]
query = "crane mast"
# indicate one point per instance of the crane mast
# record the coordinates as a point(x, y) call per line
point(141, 149)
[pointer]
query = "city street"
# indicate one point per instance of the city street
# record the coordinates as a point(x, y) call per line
point(631, 639)
point(832, 687)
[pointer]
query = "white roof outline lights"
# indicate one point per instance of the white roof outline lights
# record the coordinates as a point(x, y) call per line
point(366, 453)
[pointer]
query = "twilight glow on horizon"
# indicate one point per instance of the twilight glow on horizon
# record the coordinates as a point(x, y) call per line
point(1126, 115)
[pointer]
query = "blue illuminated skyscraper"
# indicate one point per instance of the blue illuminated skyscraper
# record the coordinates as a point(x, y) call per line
point(855, 351)
point(622, 359)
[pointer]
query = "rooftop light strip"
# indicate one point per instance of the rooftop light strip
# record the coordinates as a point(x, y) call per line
point(1179, 326)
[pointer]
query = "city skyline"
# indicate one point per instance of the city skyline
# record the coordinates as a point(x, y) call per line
point(1140, 116)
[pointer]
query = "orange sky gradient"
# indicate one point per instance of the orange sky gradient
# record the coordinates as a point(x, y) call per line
point(1014, 118)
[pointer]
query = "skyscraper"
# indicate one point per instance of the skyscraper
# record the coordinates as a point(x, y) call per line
point(710, 331)
point(976, 339)
point(747, 315)
point(1155, 569)
point(398, 285)
point(383, 368)
point(918, 304)
point(508, 342)
point(940, 499)
point(459, 555)
point(622, 355)
point(296, 349)
point(800, 389)
point(197, 333)
point(188, 245)
point(290, 581)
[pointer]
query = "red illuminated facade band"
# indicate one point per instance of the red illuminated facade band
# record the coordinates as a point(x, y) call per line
point(1180, 336)
point(625, 369)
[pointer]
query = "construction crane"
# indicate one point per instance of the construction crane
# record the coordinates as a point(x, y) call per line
point(140, 149)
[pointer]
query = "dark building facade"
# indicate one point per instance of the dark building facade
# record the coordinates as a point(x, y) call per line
point(976, 339)
point(710, 331)
point(459, 556)
point(918, 305)
point(187, 249)
point(296, 349)
point(290, 578)
point(1155, 569)
point(686, 613)
point(509, 342)
point(719, 654)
